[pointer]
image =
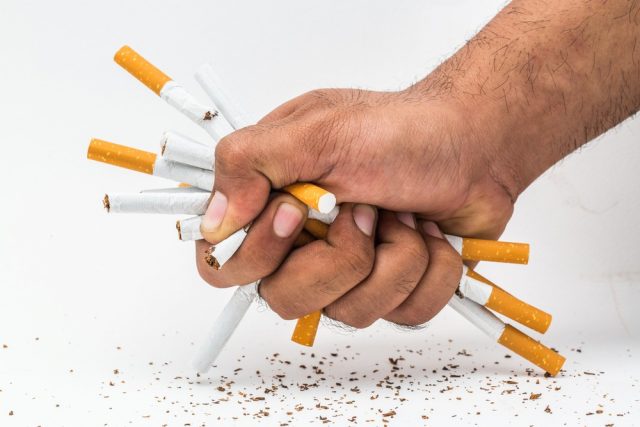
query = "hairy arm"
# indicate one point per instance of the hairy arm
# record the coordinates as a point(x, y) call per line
point(546, 77)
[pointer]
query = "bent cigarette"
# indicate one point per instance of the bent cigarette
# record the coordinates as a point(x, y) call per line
point(487, 293)
point(150, 163)
point(224, 326)
point(174, 94)
point(180, 148)
point(188, 203)
point(490, 250)
point(508, 336)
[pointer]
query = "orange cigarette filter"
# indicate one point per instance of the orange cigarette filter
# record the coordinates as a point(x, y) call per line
point(312, 195)
point(120, 155)
point(306, 329)
point(317, 229)
point(532, 350)
point(495, 251)
point(506, 304)
point(141, 69)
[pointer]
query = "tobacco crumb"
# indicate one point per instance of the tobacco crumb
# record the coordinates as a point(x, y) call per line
point(179, 230)
point(547, 410)
point(535, 396)
point(210, 259)
point(10, 413)
point(209, 115)
point(105, 202)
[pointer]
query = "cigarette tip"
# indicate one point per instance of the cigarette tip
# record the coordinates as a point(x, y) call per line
point(179, 230)
point(106, 203)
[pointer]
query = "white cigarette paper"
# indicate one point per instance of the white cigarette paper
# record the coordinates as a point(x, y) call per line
point(207, 117)
point(486, 321)
point(474, 289)
point(212, 85)
point(181, 148)
point(183, 173)
point(175, 190)
point(224, 326)
point(188, 203)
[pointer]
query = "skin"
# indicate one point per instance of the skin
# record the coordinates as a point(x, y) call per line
point(457, 149)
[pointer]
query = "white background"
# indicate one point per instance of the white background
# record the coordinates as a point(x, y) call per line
point(76, 283)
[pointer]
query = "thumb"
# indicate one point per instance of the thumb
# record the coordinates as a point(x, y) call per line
point(250, 162)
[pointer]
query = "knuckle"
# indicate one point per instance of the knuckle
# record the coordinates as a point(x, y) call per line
point(356, 263)
point(349, 316)
point(414, 317)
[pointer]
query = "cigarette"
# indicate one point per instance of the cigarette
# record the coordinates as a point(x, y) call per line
point(150, 163)
point(224, 326)
point(180, 148)
point(175, 190)
point(189, 228)
point(485, 292)
point(508, 336)
point(174, 94)
point(188, 203)
point(212, 85)
point(490, 250)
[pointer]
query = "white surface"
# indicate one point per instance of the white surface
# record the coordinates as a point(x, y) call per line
point(97, 289)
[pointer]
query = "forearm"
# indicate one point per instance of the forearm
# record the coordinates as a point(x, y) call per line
point(543, 78)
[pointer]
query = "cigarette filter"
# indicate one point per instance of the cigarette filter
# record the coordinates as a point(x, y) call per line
point(146, 162)
point(493, 297)
point(508, 336)
point(180, 148)
point(189, 203)
point(174, 94)
point(313, 196)
point(490, 250)
point(224, 326)
point(306, 329)
point(211, 84)
point(316, 228)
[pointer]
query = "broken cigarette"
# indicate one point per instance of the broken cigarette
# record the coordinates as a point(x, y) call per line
point(484, 292)
point(508, 336)
point(212, 85)
point(490, 250)
point(174, 94)
point(180, 148)
point(188, 203)
point(150, 163)
point(224, 326)
point(231, 316)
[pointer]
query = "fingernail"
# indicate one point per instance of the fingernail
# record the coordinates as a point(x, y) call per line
point(286, 220)
point(215, 212)
point(432, 229)
point(364, 216)
point(407, 219)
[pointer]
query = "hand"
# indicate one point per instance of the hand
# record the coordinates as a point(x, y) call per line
point(402, 152)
